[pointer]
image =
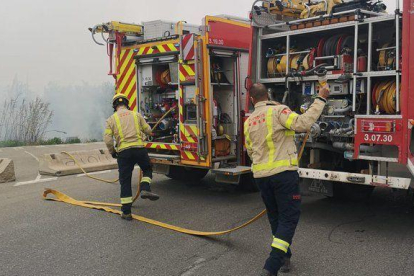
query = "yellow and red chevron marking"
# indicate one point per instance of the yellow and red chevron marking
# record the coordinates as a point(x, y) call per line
point(187, 72)
point(126, 81)
point(181, 113)
point(187, 155)
point(190, 133)
point(162, 146)
point(157, 49)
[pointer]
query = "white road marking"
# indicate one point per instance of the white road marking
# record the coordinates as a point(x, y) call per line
point(37, 180)
point(93, 173)
point(18, 148)
point(32, 155)
point(192, 269)
point(39, 146)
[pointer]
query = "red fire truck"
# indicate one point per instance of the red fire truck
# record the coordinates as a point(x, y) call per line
point(188, 82)
point(364, 137)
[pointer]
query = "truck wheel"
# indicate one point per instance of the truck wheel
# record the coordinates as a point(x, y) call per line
point(247, 183)
point(352, 192)
point(186, 173)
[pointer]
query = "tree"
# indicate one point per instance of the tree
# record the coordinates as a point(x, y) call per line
point(21, 119)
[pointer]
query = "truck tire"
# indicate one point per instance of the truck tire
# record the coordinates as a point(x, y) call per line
point(186, 174)
point(247, 183)
point(352, 192)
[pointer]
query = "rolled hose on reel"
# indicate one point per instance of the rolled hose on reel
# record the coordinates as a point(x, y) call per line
point(384, 97)
point(276, 66)
point(387, 58)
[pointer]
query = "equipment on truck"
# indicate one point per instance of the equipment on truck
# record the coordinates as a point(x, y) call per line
point(364, 136)
point(188, 83)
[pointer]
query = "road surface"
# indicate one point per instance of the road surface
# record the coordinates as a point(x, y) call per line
point(40, 237)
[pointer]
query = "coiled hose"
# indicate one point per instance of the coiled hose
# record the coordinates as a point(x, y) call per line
point(384, 97)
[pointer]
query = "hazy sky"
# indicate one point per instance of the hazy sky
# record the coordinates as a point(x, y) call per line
point(48, 40)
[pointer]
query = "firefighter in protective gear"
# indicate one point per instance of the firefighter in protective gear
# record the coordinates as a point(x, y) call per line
point(127, 129)
point(269, 135)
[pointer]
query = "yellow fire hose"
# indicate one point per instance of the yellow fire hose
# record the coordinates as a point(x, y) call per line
point(61, 197)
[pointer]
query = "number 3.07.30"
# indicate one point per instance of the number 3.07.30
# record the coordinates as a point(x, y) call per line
point(384, 138)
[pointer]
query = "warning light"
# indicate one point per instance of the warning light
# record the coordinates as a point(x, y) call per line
point(378, 126)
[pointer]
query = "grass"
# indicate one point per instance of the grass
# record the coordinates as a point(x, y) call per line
point(52, 141)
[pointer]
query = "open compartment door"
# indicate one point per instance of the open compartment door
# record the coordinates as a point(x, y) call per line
point(192, 106)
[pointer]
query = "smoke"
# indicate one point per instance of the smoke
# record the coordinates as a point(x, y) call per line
point(79, 110)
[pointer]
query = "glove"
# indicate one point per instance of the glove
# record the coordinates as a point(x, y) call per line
point(114, 155)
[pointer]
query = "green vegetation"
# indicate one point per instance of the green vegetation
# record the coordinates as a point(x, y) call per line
point(9, 143)
point(51, 141)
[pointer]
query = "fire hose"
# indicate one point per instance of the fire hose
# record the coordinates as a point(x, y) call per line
point(61, 197)
point(384, 97)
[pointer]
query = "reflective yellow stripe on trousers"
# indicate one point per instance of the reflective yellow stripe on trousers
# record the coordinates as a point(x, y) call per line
point(280, 244)
point(126, 200)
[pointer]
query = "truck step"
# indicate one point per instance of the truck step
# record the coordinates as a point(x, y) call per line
point(164, 156)
point(232, 170)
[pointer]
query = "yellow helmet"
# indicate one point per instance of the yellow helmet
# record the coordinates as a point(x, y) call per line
point(119, 99)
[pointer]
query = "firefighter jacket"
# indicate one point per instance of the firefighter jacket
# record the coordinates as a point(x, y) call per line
point(269, 135)
point(127, 128)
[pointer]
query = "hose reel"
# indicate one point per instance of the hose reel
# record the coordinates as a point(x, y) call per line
point(384, 97)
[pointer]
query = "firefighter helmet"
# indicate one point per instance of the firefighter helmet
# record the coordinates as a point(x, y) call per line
point(120, 99)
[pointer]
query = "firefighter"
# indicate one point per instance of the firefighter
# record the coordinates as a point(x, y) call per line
point(269, 135)
point(127, 128)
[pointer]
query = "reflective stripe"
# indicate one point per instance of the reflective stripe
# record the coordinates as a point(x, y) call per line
point(122, 144)
point(137, 126)
point(280, 244)
point(108, 131)
point(118, 126)
point(126, 145)
point(269, 136)
point(146, 179)
point(248, 142)
point(289, 121)
point(126, 200)
point(289, 133)
point(275, 164)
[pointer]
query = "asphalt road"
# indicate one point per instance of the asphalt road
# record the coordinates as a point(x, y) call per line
point(40, 237)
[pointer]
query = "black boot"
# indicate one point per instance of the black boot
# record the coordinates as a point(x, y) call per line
point(266, 273)
point(286, 266)
point(127, 217)
point(149, 195)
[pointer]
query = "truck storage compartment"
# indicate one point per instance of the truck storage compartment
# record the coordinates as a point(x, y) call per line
point(225, 107)
point(362, 126)
point(158, 98)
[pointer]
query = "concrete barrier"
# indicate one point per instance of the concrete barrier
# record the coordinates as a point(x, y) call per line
point(60, 164)
point(7, 170)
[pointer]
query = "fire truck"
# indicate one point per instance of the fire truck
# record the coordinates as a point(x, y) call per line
point(364, 138)
point(188, 83)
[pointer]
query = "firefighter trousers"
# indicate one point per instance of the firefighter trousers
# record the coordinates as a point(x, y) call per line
point(281, 196)
point(127, 159)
